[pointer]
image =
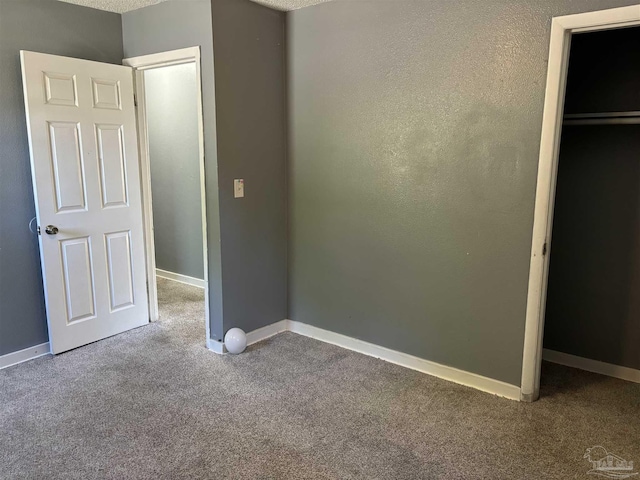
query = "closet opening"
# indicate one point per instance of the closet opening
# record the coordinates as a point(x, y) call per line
point(592, 308)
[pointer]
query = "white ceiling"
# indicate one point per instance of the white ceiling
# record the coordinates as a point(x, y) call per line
point(121, 6)
point(286, 5)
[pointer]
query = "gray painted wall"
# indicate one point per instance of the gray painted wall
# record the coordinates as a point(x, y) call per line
point(593, 308)
point(414, 132)
point(247, 262)
point(169, 26)
point(250, 99)
point(171, 102)
point(50, 27)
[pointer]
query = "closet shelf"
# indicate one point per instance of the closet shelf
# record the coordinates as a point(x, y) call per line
point(601, 115)
point(602, 118)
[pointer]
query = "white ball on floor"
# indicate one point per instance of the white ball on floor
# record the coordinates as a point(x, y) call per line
point(235, 340)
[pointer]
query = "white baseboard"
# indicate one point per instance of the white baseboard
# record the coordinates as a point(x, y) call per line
point(176, 277)
point(23, 355)
point(254, 336)
point(268, 331)
point(595, 366)
point(461, 377)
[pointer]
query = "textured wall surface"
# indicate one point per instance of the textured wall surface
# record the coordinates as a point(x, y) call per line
point(47, 27)
point(169, 26)
point(172, 117)
point(249, 61)
point(414, 134)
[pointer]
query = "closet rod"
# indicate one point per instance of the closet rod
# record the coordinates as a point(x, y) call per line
point(603, 121)
point(572, 116)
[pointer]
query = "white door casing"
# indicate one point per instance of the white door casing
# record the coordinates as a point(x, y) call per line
point(140, 65)
point(560, 40)
point(86, 182)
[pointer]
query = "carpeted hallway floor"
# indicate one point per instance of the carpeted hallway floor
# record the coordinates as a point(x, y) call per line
point(153, 403)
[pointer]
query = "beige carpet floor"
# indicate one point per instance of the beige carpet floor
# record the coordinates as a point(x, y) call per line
point(153, 403)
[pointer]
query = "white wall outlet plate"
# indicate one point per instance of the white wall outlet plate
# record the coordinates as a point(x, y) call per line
point(238, 188)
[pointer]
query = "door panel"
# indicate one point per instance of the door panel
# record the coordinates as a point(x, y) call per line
point(113, 178)
point(85, 170)
point(68, 168)
point(106, 93)
point(60, 89)
point(120, 269)
point(78, 279)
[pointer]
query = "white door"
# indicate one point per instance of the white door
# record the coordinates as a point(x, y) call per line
point(86, 182)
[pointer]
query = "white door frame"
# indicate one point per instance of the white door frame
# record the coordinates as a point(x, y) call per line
point(561, 30)
point(139, 65)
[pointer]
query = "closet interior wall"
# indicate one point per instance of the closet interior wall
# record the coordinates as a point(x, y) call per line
point(593, 297)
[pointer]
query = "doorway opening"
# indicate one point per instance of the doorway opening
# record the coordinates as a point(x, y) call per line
point(592, 306)
point(170, 126)
point(589, 173)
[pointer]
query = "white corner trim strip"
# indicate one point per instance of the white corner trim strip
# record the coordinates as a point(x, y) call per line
point(23, 355)
point(595, 366)
point(461, 377)
point(176, 277)
point(216, 346)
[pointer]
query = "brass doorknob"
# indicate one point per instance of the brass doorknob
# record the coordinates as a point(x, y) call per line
point(51, 229)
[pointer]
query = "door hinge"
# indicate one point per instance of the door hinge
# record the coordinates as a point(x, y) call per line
point(135, 100)
point(544, 249)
